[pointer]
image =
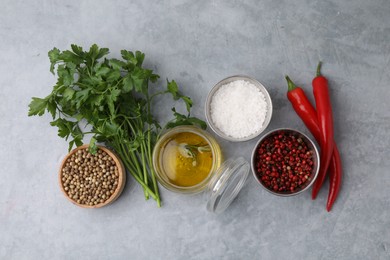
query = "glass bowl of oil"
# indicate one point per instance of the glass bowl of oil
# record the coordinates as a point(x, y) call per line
point(188, 160)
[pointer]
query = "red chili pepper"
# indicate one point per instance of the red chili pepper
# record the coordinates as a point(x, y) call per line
point(325, 122)
point(335, 173)
point(308, 114)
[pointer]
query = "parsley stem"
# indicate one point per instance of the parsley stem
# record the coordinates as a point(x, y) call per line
point(129, 164)
point(136, 177)
point(152, 172)
point(144, 167)
point(135, 161)
point(156, 94)
point(149, 148)
point(123, 154)
point(143, 174)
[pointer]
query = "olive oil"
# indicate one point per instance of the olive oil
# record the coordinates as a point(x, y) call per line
point(186, 159)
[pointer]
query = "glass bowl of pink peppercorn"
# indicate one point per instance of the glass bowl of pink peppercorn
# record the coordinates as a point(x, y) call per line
point(285, 162)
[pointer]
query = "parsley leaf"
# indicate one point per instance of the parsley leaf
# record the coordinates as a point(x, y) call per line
point(174, 90)
point(37, 106)
point(185, 120)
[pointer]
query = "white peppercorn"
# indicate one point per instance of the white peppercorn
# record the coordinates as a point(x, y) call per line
point(90, 179)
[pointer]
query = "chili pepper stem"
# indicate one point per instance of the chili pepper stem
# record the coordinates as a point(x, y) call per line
point(290, 84)
point(319, 69)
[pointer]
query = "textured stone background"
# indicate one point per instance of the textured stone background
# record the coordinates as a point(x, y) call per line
point(198, 43)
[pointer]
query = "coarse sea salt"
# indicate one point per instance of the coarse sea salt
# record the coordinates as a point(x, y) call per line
point(238, 109)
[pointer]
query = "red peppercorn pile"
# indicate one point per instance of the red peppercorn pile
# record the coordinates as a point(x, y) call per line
point(284, 162)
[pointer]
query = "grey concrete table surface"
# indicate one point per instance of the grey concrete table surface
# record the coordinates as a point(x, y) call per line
point(198, 43)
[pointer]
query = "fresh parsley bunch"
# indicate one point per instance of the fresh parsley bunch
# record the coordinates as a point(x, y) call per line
point(114, 97)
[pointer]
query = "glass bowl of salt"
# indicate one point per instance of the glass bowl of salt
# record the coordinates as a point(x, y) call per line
point(238, 108)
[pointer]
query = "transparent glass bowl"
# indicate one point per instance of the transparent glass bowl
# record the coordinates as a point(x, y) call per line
point(229, 80)
point(162, 176)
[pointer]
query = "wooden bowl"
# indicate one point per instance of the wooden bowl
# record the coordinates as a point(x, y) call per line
point(121, 179)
